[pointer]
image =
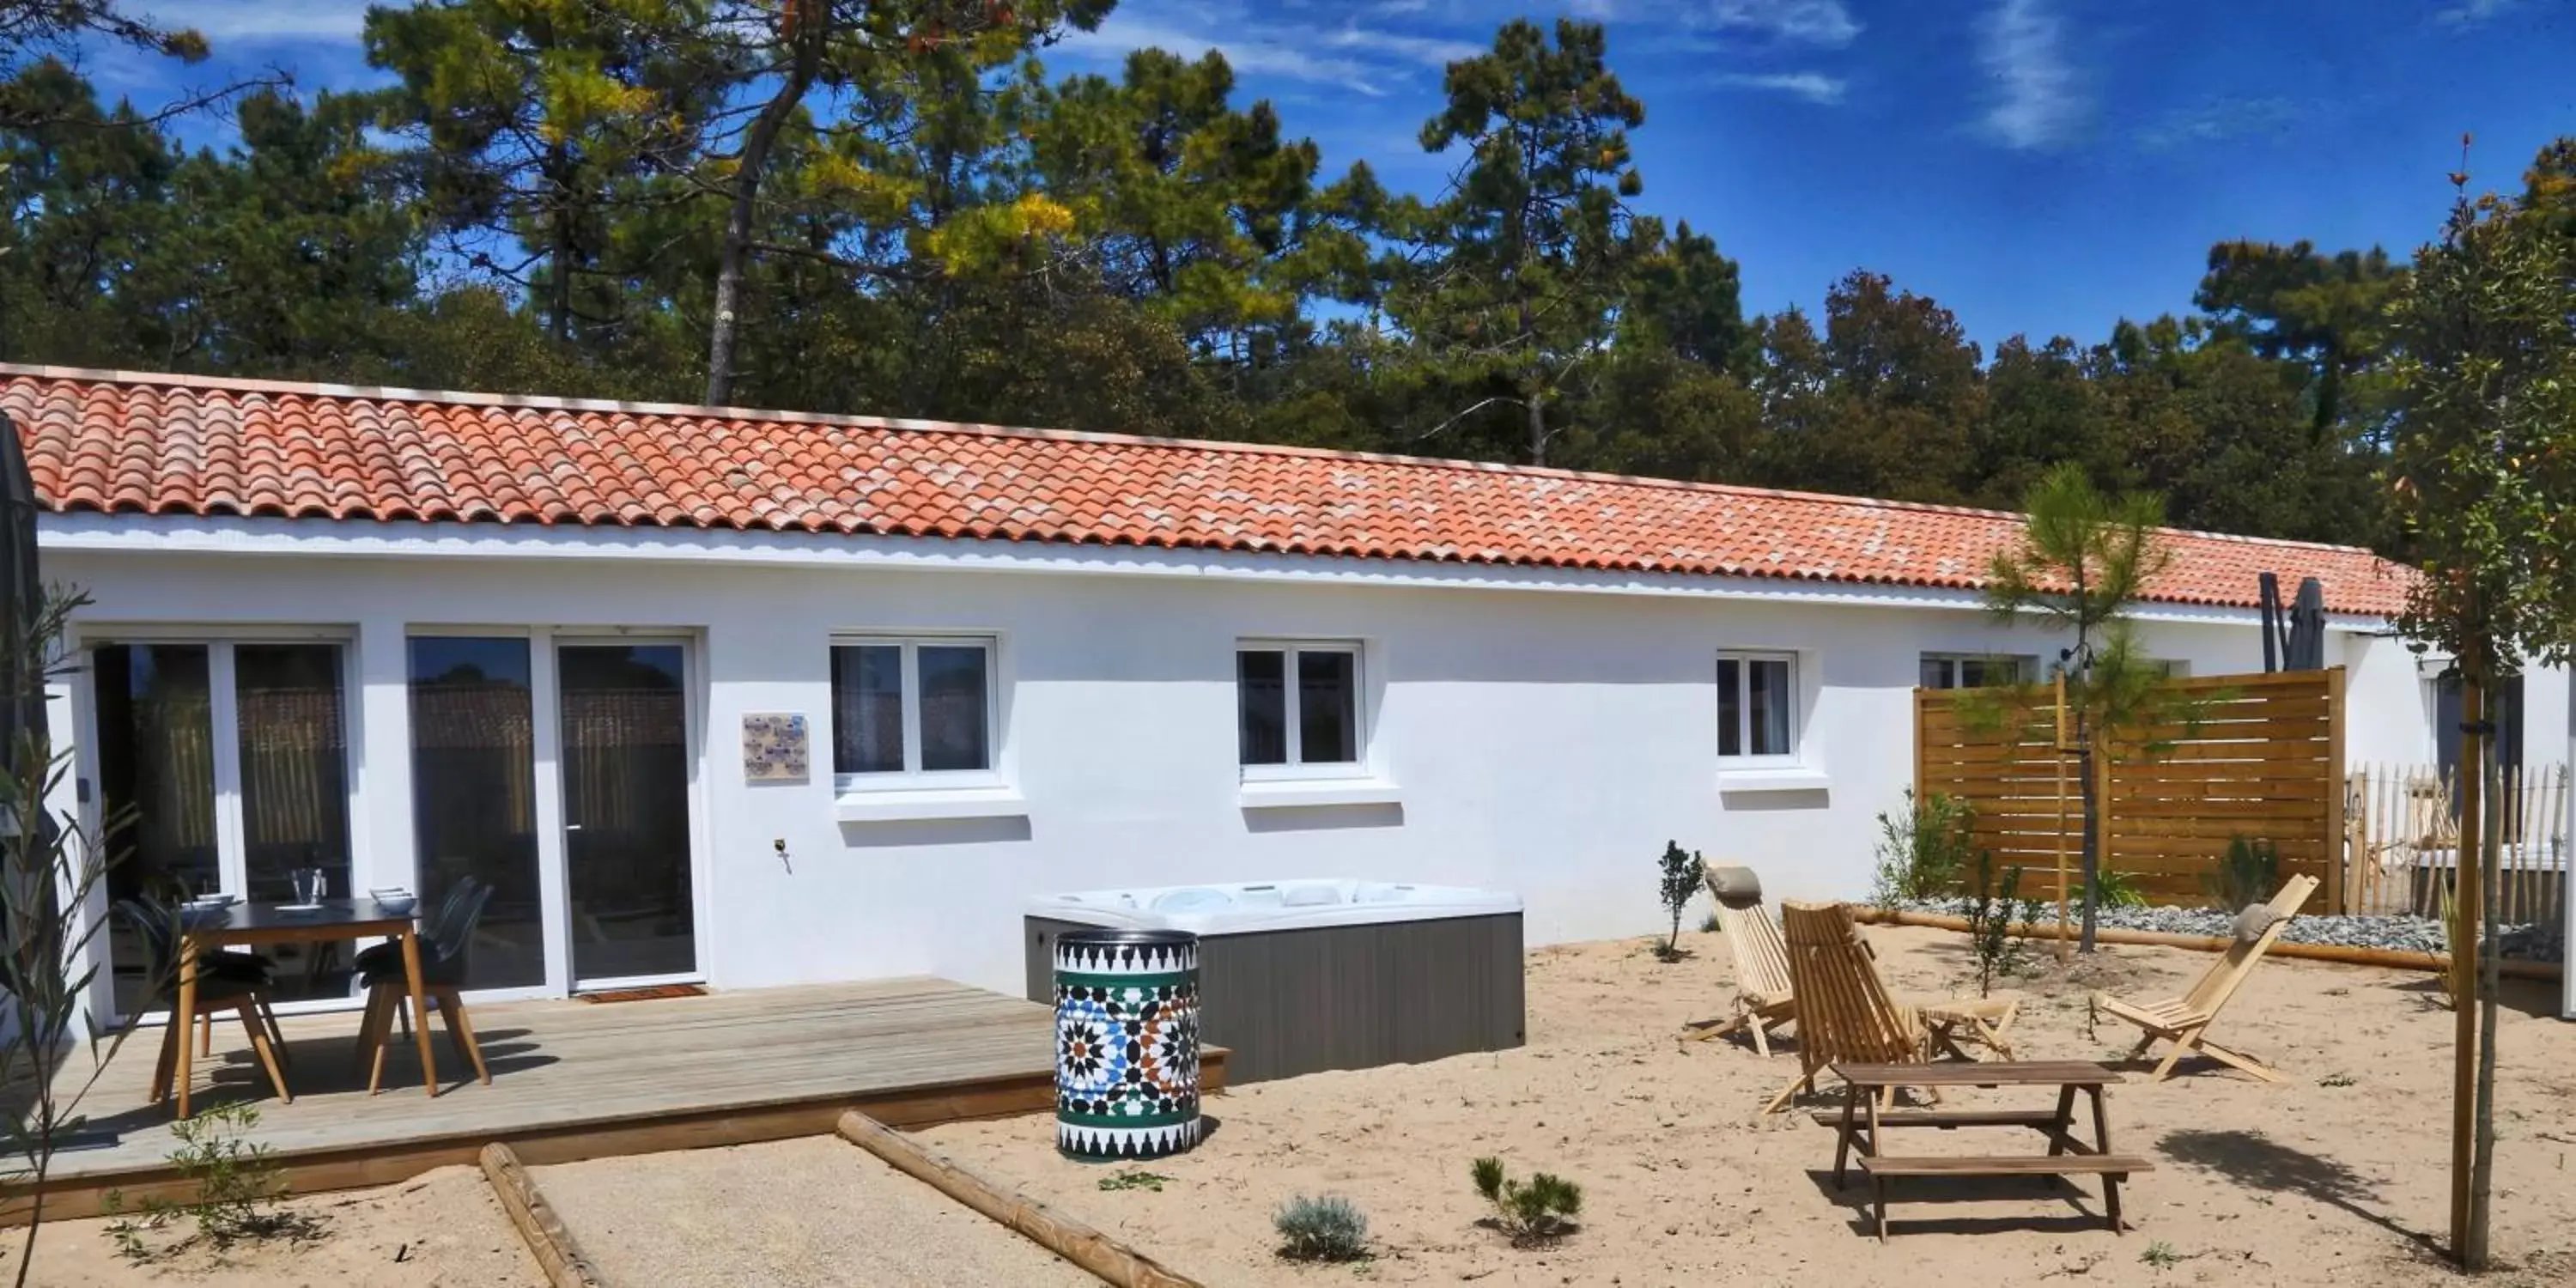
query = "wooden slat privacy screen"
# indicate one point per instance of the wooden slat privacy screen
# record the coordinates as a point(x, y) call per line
point(2266, 762)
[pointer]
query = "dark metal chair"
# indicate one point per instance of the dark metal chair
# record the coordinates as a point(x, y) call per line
point(222, 985)
point(446, 941)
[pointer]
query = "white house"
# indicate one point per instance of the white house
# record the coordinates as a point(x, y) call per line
point(571, 647)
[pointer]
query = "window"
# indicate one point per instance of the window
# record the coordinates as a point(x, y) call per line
point(1975, 670)
point(912, 707)
point(2166, 668)
point(223, 766)
point(1757, 700)
point(1297, 705)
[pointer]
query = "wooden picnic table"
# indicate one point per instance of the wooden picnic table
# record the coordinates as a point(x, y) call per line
point(246, 925)
point(1861, 1122)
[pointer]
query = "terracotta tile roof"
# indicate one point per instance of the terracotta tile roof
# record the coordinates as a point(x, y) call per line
point(124, 443)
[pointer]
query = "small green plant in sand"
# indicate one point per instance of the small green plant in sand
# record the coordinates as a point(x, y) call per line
point(1321, 1228)
point(1991, 914)
point(1709, 925)
point(2112, 889)
point(1135, 1179)
point(2337, 1080)
point(1679, 871)
point(1538, 1210)
point(239, 1190)
point(2250, 873)
point(1923, 849)
point(2161, 1255)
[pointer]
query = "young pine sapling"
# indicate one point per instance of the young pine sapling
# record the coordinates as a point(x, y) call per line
point(1992, 910)
point(1681, 877)
point(1538, 1210)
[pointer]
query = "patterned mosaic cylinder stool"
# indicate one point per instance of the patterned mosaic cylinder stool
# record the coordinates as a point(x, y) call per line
point(1126, 1043)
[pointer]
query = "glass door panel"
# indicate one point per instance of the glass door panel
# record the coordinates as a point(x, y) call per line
point(625, 759)
point(473, 796)
point(156, 787)
point(294, 783)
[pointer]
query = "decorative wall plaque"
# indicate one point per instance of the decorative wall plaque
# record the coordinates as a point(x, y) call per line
point(775, 748)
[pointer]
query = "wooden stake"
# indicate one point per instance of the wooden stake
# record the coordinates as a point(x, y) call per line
point(544, 1232)
point(2064, 941)
point(1113, 1262)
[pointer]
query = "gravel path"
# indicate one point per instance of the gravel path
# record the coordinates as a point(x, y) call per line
point(2411, 934)
point(791, 1213)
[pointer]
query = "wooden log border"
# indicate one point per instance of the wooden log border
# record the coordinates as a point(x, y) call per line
point(2394, 958)
point(1111, 1261)
point(548, 1239)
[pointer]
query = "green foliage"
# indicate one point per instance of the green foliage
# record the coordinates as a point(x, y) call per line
point(238, 1184)
point(2085, 557)
point(1135, 1179)
point(1923, 849)
point(1539, 1210)
point(1322, 1228)
point(2161, 1255)
point(2113, 888)
point(2248, 874)
point(895, 208)
point(1679, 879)
point(1993, 910)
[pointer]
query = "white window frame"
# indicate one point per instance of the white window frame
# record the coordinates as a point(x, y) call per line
point(232, 850)
point(1744, 711)
point(2027, 665)
point(1297, 768)
point(912, 777)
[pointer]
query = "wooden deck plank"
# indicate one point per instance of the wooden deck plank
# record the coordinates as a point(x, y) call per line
point(574, 1080)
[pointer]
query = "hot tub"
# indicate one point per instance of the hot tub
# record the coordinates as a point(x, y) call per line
point(1305, 975)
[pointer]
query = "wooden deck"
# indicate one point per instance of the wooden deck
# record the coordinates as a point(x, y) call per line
point(574, 1080)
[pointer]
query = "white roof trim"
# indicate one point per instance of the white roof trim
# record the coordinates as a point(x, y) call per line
point(188, 535)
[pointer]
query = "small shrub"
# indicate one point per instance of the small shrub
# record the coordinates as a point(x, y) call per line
point(1709, 925)
point(1133, 1179)
point(1680, 870)
point(1923, 850)
point(1321, 1229)
point(2249, 874)
point(2113, 889)
point(2161, 1255)
point(239, 1186)
point(1992, 910)
point(1538, 1210)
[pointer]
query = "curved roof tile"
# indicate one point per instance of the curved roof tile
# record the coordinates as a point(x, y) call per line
point(116, 442)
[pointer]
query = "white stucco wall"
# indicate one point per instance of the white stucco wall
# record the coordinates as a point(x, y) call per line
point(1543, 742)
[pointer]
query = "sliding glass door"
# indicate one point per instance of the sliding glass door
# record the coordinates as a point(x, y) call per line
point(624, 720)
point(222, 767)
point(474, 796)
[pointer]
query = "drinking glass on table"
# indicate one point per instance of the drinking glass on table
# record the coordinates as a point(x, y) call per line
point(310, 884)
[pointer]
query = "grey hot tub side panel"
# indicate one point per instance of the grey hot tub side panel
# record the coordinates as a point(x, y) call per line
point(1287, 1002)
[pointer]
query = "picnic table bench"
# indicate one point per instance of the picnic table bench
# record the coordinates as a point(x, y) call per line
point(1860, 1124)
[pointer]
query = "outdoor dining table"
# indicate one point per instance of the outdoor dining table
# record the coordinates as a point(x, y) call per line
point(248, 925)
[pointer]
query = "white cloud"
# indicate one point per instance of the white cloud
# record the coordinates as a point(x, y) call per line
point(1812, 22)
point(2471, 13)
point(1251, 53)
point(1815, 87)
point(250, 22)
point(2037, 102)
point(1427, 50)
point(2215, 119)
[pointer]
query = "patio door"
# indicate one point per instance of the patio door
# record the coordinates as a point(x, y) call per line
point(623, 715)
point(221, 765)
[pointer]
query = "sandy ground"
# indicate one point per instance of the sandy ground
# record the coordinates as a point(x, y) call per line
point(789, 1214)
point(2335, 1177)
point(438, 1230)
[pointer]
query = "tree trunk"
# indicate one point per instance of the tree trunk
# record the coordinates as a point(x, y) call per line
point(2468, 1241)
point(559, 255)
point(2490, 965)
point(805, 26)
point(1537, 428)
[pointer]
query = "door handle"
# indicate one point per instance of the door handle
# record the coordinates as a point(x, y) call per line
point(572, 827)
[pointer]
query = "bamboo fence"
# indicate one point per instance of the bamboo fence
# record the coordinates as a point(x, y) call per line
point(2404, 840)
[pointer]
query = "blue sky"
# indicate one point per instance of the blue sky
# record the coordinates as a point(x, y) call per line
point(2040, 166)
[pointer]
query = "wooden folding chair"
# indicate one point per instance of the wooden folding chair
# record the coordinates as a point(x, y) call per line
point(2184, 1020)
point(1846, 1016)
point(1764, 998)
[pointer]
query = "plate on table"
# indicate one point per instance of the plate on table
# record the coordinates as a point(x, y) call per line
point(299, 909)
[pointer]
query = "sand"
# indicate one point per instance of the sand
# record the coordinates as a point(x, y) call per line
point(2337, 1176)
point(789, 1214)
point(438, 1230)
